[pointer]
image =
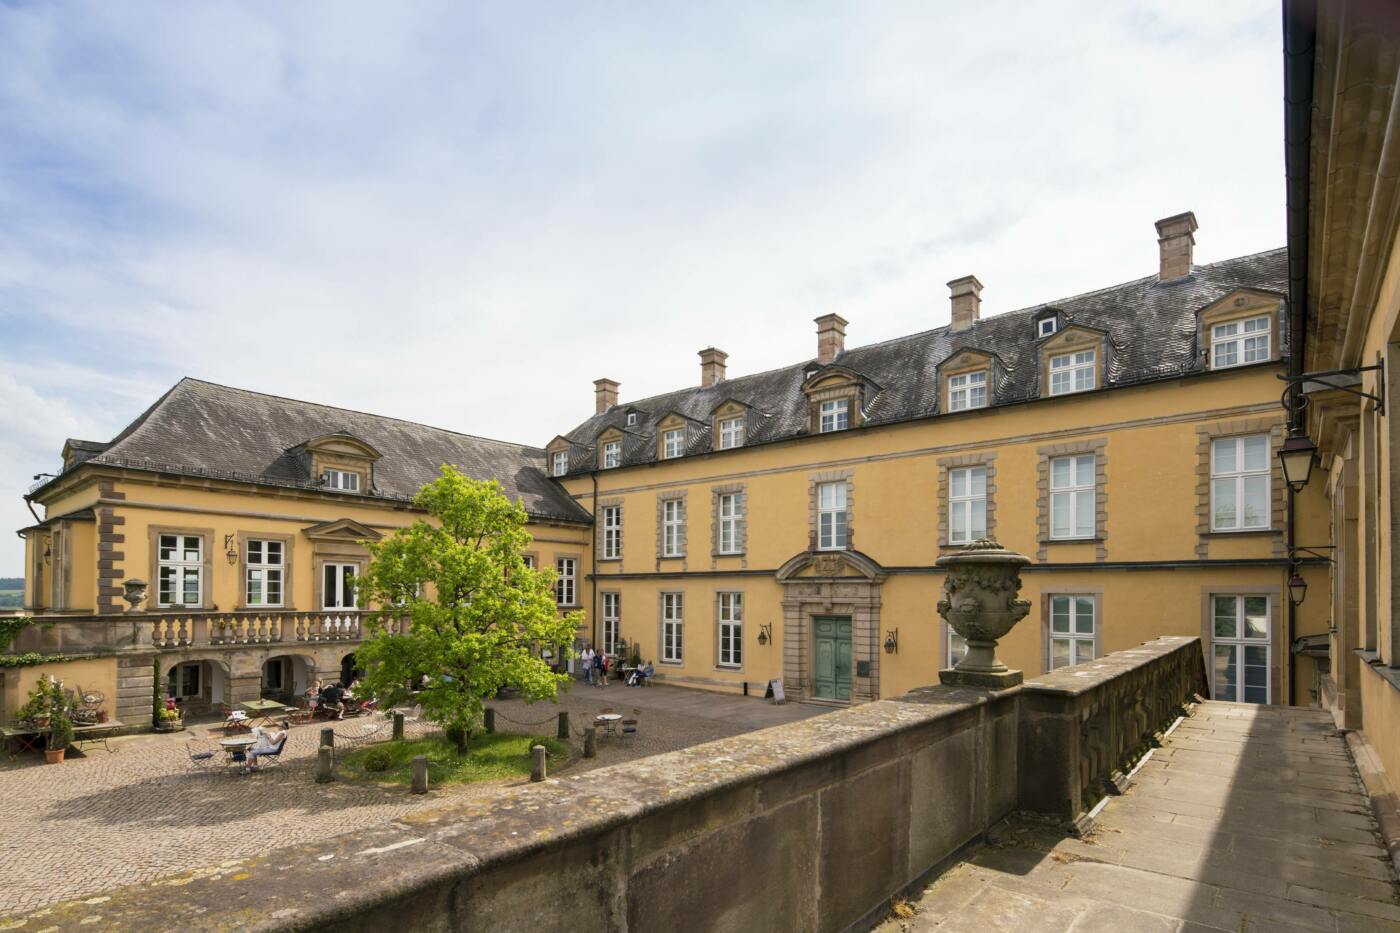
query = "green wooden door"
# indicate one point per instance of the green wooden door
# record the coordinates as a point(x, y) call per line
point(833, 657)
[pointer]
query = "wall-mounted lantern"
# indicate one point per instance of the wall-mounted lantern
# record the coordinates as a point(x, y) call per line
point(232, 553)
point(892, 641)
point(1297, 588)
point(1297, 455)
point(765, 634)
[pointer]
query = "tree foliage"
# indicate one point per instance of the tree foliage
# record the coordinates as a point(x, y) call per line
point(477, 613)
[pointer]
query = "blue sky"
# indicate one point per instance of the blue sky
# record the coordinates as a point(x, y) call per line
point(463, 214)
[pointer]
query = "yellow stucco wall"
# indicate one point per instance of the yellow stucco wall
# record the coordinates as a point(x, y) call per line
point(89, 674)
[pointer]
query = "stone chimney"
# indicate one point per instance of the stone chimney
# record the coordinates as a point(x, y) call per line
point(1174, 242)
point(712, 366)
point(831, 337)
point(605, 393)
point(967, 301)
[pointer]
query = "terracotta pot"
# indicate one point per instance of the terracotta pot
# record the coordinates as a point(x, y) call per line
point(53, 755)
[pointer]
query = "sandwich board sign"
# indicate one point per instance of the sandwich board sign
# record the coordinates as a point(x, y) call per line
point(775, 690)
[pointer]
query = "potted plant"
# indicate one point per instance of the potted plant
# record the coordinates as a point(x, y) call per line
point(171, 720)
point(60, 737)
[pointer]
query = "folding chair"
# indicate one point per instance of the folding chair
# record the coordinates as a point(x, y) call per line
point(629, 726)
point(199, 758)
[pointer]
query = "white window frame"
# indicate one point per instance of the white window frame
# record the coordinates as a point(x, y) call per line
point(268, 573)
point(963, 504)
point(180, 567)
point(731, 432)
point(672, 443)
point(612, 621)
point(1240, 342)
point(333, 597)
point(833, 516)
point(673, 528)
point(1080, 646)
point(566, 581)
point(730, 650)
point(1079, 369)
point(631, 418)
point(1238, 480)
point(612, 532)
point(730, 515)
point(673, 628)
point(1239, 644)
point(833, 414)
point(175, 680)
point(967, 391)
point(344, 480)
point(1069, 496)
point(559, 463)
point(612, 455)
point(1041, 328)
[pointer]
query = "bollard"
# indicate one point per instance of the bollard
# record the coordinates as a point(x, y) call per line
point(590, 742)
point(490, 719)
point(420, 774)
point(325, 765)
point(537, 757)
point(398, 727)
point(564, 725)
point(328, 737)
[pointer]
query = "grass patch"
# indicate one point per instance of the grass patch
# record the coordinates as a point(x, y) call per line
point(490, 756)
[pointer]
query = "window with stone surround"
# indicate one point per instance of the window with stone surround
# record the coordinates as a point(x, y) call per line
point(672, 528)
point(559, 463)
point(967, 504)
point(1237, 343)
point(730, 620)
point(566, 581)
point(731, 433)
point(967, 391)
point(672, 628)
point(834, 414)
point(612, 532)
point(612, 621)
point(180, 570)
point(729, 508)
point(673, 443)
point(1087, 485)
point(1073, 629)
point(1240, 644)
point(612, 454)
point(1072, 494)
point(263, 570)
point(1239, 483)
point(1073, 372)
point(979, 494)
point(831, 516)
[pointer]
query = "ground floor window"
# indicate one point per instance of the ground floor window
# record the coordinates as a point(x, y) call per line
point(184, 681)
point(612, 621)
point(1240, 625)
point(1072, 630)
point(275, 679)
point(672, 627)
point(731, 629)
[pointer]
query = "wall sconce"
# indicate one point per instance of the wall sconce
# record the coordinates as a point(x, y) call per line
point(1297, 588)
point(232, 553)
point(765, 634)
point(1297, 455)
point(48, 554)
point(892, 641)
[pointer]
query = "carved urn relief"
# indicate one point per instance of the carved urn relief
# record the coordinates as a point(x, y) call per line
point(979, 602)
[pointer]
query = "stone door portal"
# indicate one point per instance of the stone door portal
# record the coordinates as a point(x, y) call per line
point(832, 652)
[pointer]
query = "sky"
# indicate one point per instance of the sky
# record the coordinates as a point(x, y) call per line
point(464, 213)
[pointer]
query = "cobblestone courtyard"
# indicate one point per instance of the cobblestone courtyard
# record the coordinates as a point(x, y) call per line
point(137, 813)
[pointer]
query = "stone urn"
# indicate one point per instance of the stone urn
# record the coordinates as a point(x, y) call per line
point(134, 591)
point(979, 602)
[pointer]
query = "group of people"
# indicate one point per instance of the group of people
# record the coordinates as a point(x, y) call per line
point(596, 666)
point(329, 698)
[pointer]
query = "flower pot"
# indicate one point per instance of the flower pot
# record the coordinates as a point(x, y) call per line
point(41, 722)
point(53, 755)
point(170, 725)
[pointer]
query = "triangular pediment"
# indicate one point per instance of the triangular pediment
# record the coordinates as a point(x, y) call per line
point(342, 529)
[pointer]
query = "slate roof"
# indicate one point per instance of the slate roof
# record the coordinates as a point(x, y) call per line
point(203, 429)
point(1151, 329)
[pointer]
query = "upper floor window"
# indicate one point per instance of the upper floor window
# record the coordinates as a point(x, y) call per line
point(338, 586)
point(673, 443)
point(1046, 326)
point(731, 433)
point(264, 573)
point(341, 479)
point(967, 390)
point(967, 504)
point(834, 415)
point(831, 516)
point(612, 532)
point(180, 571)
point(672, 528)
point(731, 515)
point(1239, 483)
point(1072, 372)
point(731, 629)
point(559, 463)
point(1235, 343)
point(565, 582)
point(612, 454)
point(1072, 483)
point(1072, 627)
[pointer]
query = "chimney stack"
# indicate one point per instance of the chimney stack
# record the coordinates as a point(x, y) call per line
point(831, 337)
point(1174, 242)
point(712, 366)
point(967, 301)
point(605, 393)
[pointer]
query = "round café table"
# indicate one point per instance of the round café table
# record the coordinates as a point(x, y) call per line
point(237, 747)
point(608, 721)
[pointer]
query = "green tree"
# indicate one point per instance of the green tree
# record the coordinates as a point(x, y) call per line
point(476, 611)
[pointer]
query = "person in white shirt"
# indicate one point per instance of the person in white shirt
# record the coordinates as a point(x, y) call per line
point(586, 658)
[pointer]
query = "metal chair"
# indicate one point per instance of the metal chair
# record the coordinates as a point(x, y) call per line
point(629, 726)
point(199, 758)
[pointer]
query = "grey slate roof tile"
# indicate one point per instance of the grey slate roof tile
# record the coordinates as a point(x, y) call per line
point(1150, 326)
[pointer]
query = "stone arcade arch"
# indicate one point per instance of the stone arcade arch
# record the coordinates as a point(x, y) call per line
point(824, 584)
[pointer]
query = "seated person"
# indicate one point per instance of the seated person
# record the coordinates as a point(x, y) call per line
point(332, 699)
point(647, 673)
point(266, 743)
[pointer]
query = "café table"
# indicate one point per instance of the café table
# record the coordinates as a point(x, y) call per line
point(260, 712)
point(237, 749)
point(609, 721)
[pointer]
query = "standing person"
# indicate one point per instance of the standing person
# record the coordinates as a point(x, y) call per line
point(587, 658)
point(602, 662)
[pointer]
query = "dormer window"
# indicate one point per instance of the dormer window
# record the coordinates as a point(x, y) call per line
point(559, 463)
point(631, 418)
point(1046, 326)
point(673, 443)
point(731, 433)
point(612, 454)
point(967, 390)
point(835, 415)
point(1235, 343)
point(341, 479)
point(1072, 372)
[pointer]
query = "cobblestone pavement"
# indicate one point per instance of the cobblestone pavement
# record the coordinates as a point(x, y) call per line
point(1249, 819)
point(137, 813)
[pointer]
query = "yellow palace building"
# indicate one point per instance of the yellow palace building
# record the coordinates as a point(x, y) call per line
point(784, 524)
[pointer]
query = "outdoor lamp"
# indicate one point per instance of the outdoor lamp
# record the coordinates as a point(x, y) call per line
point(892, 641)
point(232, 553)
point(1296, 455)
point(763, 634)
point(1297, 589)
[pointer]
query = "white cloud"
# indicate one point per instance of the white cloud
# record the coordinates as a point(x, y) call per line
point(463, 215)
